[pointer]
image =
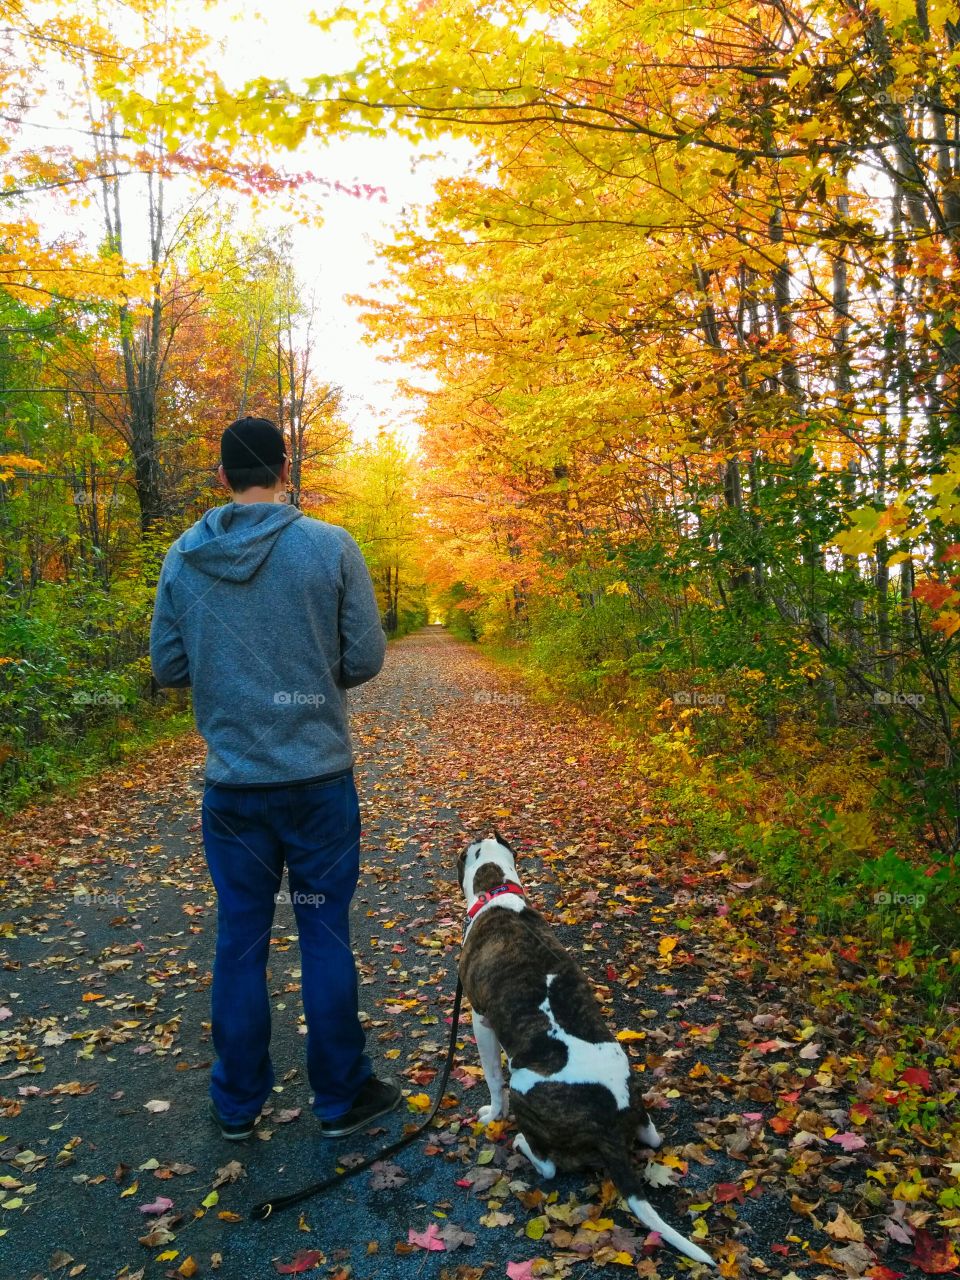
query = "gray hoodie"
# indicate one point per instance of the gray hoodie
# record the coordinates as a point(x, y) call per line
point(269, 616)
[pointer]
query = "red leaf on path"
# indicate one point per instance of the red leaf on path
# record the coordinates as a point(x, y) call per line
point(935, 1257)
point(428, 1239)
point(880, 1272)
point(917, 1075)
point(303, 1260)
point(770, 1046)
point(611, 973)
point(520, 1270)
point(781, 1248)
point(160, 1205)
point(849, 1141)
point(726, 1191)
point(860, 1113)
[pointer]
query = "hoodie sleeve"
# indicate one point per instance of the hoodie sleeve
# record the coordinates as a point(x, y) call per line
point(362, 642)
point(168, 657)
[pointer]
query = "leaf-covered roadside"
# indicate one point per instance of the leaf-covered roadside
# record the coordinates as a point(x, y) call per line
point(810, 1117)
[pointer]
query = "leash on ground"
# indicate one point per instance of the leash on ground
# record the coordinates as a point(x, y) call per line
point(263, 1210)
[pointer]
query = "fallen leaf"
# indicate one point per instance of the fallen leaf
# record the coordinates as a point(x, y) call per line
point(160, 1205)
point(520, 1270)
point(385, 1175)
point(429, 1239)
point(303, 1260)
point(935, 1257)
point(849, 1141)
point(843, 1227)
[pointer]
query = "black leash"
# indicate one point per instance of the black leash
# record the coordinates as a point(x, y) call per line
point(263, 1210)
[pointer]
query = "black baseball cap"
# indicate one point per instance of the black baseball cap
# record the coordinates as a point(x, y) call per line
point(251, 442)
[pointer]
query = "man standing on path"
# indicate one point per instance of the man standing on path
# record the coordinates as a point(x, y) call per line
point(270, 617)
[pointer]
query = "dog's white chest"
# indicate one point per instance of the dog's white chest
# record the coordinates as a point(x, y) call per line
point(587, 1063)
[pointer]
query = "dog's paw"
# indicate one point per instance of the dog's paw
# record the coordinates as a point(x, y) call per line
point(486, 1114)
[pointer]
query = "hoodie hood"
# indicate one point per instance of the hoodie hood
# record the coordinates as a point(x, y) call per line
point(231, 542)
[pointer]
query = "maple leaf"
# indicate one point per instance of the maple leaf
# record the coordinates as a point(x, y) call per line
point(303, 1260)
point(843, 1227)
point(917, 1075)
point(935, 1257)
point(521, 1270)
point(849, 1141)
point(385, 1175)
point(771, 1046)
point(934, 594)
point(160, 1205)
point(229, 1172)
point(429, 1239)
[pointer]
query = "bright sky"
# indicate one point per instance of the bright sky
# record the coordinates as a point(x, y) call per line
point(339, 257)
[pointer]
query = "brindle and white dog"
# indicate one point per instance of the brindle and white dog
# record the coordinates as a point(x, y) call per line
point(574, 1097)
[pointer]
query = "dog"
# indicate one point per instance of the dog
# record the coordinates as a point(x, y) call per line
point(574, 1097)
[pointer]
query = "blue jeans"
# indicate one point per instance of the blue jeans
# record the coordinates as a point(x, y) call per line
point(248, 835)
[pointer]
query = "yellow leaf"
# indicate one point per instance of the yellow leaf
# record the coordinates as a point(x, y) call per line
point(667, 945)
point(209, 1201)
point(226, 1215)
point(419, 1102)
point(843, 79)
point(631, 1035)
point(129, 1191)
point(167, 1256)
point(536, 1227)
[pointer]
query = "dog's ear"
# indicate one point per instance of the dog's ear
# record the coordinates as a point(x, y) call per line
point(461, 866)
point(506, 843)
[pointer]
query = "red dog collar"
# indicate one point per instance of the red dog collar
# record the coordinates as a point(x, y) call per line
point(488, 895)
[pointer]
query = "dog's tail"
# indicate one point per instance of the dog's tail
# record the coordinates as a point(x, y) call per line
point(630, 1185)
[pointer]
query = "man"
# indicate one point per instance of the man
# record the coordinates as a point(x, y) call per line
point(270, 616)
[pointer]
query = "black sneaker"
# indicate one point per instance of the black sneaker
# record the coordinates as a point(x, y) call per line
point(232, 1130)
point(376, 1098)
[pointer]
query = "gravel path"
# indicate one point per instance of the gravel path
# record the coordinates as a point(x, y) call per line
point(104, 1002)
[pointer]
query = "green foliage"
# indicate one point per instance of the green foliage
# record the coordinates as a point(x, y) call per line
point(75, 659)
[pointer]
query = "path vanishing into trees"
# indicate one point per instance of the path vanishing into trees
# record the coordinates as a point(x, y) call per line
point(773, 1068)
